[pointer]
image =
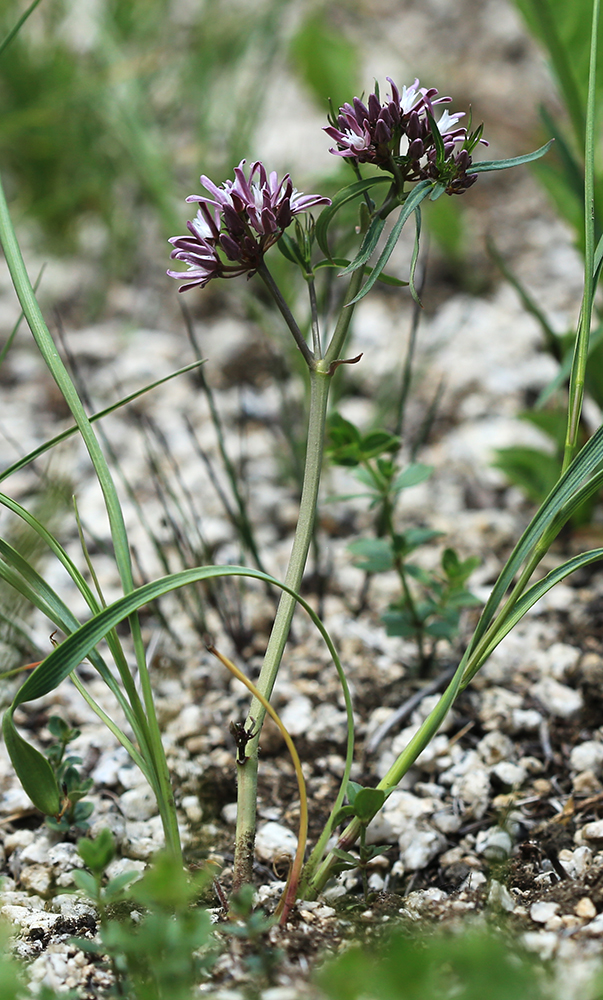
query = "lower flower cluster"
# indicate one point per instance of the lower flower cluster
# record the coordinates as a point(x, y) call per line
point(237, 224)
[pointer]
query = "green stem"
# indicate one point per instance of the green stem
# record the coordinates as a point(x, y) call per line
point(286, 313)
point(247, 772)
point(578, 373)
point(320, 381)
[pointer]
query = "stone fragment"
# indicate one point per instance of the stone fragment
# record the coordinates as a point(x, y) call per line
point(494, 747)
point(298, 715)
point(593, 831)
point(585, 908)
point(525, 720)
point(36, 878)
point(576, 862)
point(273, 840)
point(556, 698)
point(500, 897)
point(138, 803)
point(586, 783)
point(447, 821)
point(558, 660)
point(497, 706)
point(541, 912)
point(400, 811)
point(419, 847)
point(229, 813)
point(192, 808)
point(36, 852)
point(509, 774)
point(495, 844)
point(587, 756)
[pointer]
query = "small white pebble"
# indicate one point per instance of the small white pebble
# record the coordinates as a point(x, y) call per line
point(542, 912)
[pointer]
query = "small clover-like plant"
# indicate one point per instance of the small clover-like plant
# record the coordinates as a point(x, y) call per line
point(163, 954)
point(430, 602)
point(75, 812)
point(251, 925)
point(363, 804)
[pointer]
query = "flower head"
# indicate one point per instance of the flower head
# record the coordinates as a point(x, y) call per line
point(239, 220)
point(398, 135)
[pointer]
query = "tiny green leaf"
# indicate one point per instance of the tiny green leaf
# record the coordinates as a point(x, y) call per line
point(412, 476)
point(345, 856)
point(352, 790)
point(367, 803)
point(86, 882)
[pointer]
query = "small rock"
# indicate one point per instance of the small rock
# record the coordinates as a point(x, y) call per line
point(229, 813)
point(497, 707)
point(36, 878)
point(509, 774)
point(473, 881)
point(587, 756)
point(121, 865)
point(20, 838)
point(494, 747)
point(586, 783)
point(419, 847)
point(495, 844)
point(138, 803)
point(190, 721)
point(298, 716)
point(558, 660)
point(591, 668)
point(525, 720)
point(500, 897)
point(192, 808)
point(542, 912)
point(37, 851)
point(556, 698)
point(576, 862)
point(585, 908)
point(273, 840)
point(593, 831)
point(447, 821)
point(401, 809)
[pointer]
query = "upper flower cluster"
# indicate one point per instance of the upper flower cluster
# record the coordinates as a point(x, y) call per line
point(398, 135)
point(240, 220)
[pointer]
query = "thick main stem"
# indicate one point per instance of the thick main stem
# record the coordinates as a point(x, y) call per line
point(321, 372)
point(247, 772)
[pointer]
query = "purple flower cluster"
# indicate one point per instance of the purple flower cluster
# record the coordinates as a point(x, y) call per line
point(398, 136)
point(239, 221)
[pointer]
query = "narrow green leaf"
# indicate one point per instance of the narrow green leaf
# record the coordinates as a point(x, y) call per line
point(291, 251)
point(344, 813)
point(515, 161)
point(86, 883)
point(14, 31)
point(578, 482)
point(341, 198)
point(528, 600)
point(367, 246)
point(345, 856)
point(414, 199)
point(415, 257)
point(47, 445)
